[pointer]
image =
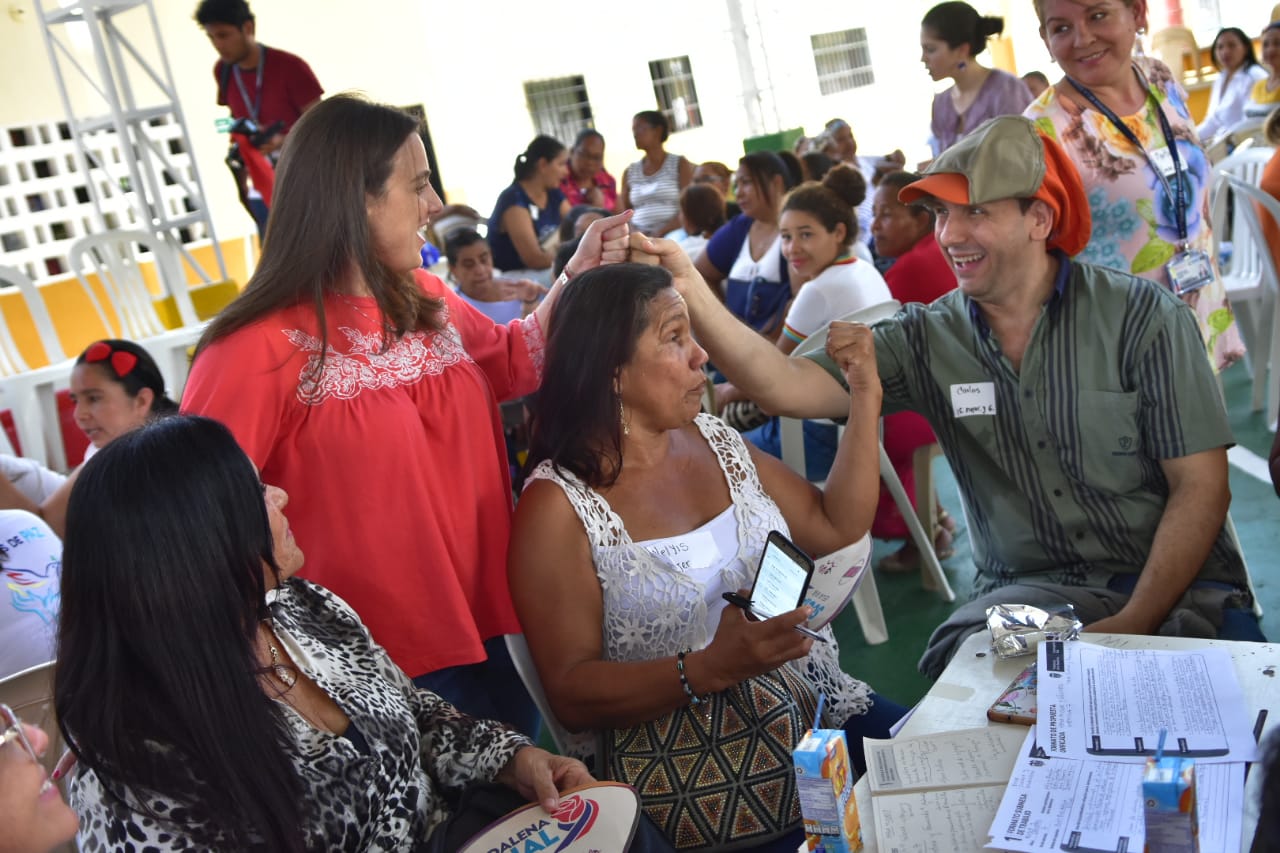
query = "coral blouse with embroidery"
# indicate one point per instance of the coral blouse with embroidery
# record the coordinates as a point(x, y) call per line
point(399, 490)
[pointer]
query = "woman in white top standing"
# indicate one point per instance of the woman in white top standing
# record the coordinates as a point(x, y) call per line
point(1238, 70)
point(651, 186)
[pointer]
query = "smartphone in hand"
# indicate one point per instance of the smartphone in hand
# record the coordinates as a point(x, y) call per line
point(781, 581)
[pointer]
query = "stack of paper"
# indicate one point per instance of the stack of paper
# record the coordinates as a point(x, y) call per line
point(1077, 781)
point(939, 792)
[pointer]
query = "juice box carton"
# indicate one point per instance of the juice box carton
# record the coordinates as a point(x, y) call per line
point(1169, 805)
point(824, 782)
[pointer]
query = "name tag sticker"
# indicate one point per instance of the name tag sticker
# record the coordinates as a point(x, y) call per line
point(692, 551)
point(973, 398)
point(1163, 161)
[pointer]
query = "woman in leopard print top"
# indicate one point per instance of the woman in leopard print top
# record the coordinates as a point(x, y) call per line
point(216, 703)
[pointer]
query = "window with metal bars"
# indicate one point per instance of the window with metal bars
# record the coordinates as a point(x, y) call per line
point(843, 60)
point(674, 89)
point(559, 107)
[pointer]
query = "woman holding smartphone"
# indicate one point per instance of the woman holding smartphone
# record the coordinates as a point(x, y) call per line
point(640, 514)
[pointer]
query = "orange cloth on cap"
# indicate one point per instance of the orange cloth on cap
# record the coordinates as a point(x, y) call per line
point(1060, 188)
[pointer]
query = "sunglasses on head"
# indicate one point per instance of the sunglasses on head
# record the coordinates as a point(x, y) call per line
point(121, 362)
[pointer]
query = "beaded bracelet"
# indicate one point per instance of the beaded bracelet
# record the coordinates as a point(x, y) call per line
point(694, 698)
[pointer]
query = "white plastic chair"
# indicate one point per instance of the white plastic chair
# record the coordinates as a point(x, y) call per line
point(32, 397)
point(11, 360)
point(112, 257)
point(30, 394)
point(866, 600)
point(518, 648)
point(1251, 279)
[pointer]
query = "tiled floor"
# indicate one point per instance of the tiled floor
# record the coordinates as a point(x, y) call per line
point(912, 613)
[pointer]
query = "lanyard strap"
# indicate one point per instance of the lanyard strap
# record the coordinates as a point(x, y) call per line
point(1178, 191)
point(256, 105)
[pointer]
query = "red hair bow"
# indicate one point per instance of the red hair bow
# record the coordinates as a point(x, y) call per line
point(121, 362)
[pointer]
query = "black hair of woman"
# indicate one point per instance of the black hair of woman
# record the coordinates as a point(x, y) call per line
point(816, 164)
point(764, 166)
point(703, 206)
point(542, 147)
point(958, 23)
point(459, 239)
point(131, 366)
point(338, 155)
point(585, 134)
point(655, 118)
point(175, 508)
point(569, 225)
point(1250, 56)
point(594, 328)
point(831, 202)
point(794, 168)
point(900, 178)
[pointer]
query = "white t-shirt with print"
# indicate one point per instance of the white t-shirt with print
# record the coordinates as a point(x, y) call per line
point(838, 290)
point(31, 569)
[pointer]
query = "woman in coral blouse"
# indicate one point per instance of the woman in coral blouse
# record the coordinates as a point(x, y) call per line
point(368, 390)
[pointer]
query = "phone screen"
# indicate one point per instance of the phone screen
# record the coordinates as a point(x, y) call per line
point(782, 579)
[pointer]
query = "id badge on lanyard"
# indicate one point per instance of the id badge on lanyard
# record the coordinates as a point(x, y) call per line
point(1189, 270)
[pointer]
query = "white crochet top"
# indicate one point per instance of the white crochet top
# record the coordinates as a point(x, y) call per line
point(653, 610)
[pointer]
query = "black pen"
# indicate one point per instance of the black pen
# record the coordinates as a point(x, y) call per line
point(745, 603)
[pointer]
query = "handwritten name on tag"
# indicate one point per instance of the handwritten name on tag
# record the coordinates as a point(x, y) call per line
point(973, 398)
point(695, 550)
point(1163, 160)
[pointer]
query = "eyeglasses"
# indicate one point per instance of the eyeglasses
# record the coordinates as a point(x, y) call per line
point(121, 362)
point(14, 733)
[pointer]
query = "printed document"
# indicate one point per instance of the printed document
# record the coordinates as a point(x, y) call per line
point(1102, 703)
point(1094, 806)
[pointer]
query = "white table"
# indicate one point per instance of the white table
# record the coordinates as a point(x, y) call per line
point(975, 677)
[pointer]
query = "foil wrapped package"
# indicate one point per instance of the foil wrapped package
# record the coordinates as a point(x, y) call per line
point(1016, 629)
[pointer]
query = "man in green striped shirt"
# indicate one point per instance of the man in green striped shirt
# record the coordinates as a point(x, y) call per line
point(1075, 404)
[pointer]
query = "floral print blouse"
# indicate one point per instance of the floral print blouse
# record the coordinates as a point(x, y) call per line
point(1134, 219)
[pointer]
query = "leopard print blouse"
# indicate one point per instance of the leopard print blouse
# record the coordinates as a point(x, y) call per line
point(419, 749)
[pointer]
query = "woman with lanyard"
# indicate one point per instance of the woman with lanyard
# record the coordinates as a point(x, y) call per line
point(1124, 122)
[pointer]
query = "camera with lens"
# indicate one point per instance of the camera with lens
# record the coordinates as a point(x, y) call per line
point(258, 136)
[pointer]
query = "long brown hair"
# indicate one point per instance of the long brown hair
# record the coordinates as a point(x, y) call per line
point(337, 156)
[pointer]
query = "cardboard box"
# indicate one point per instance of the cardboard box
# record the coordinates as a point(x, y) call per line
point(824, 782)
point(1169, 806)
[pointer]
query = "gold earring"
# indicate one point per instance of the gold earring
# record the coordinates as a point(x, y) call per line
point(622, 418)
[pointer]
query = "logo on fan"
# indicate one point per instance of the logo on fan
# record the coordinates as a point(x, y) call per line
point(575, 816)
point(574, 819)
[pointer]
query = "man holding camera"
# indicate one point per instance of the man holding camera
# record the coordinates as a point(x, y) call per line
point(267, 90)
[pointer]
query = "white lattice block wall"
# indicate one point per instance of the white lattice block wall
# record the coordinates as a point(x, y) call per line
point(45, 199)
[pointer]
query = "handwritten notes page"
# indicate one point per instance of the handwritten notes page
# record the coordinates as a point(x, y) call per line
point(939, 792)
point(1054, 804)
point(934, 821)
point(959, 759)
point(1102, 703)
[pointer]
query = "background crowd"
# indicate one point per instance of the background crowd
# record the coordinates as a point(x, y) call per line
point(230, 678)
